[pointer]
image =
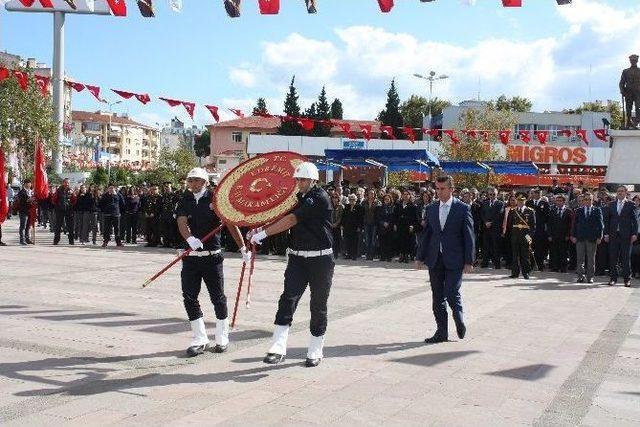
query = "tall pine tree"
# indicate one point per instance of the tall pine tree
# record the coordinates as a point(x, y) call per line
point(336, 109)
point(323, 110)
point(260, 108)
point(291, 109)
point(391, 116)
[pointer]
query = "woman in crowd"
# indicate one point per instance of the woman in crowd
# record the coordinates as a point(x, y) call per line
point(131, 208)
point(336, 223)
point(386, 216)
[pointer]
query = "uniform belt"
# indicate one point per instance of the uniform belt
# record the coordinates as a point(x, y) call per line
point(310, 254)
point(201, 253)
point(524, 227)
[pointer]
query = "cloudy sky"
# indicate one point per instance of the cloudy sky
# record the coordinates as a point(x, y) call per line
point(558, 56)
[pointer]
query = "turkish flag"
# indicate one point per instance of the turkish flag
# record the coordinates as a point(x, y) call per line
point(238, 113)
point(452, 135)
point(366, 131)
point(78, 87)
point(434, 133)
point(582, 134)
point(504, 136)
point(118, 7)
point(565, 132)
point(601, 134)
point(525, 136)
point(40, 179)
point(4, 201)
point(214, 112)
point(471, 133)
point(171, 102)
point(385, 5)
point(387, 130)
point(4, 73)
point(122, 93)
point(307, 124)
point(542, 136)
point(23, 79)
point(269, 7)
point(346, 128)
point(485, 135)
point(143, 98)
point(512, 3)
point(95, 91)
point(43, 84)
point(190, 107)
point(410, 134)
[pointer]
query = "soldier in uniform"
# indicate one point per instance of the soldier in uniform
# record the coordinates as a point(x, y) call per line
point(151, 211)
point(540, 236)
point(196, 219)
point(630, 90)
point(522, 223)
point(167, 223)
point(310, 264)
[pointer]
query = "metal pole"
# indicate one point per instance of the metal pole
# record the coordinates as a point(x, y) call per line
point(430, 97)
point(109, 148)
point(58, 85)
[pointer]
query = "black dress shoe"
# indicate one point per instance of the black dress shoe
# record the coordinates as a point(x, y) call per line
point(514, 276)
point(612, 282)
point(461, 330)
point(436, 339)
point(525, 276)
point(219, 348)
point(312, 363)
point(627, 283)
point(273, 358)
point(580, 279)
point(196, 350)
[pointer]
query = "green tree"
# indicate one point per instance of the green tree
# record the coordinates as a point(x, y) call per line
point(261, 107)
point(517, 104)
point(336, 109)
point(323, 112)
point(612, 107)
point(291, 109)
point(25, 116)
point(202, 145)
point(416, 107)
point(391, 116)
point(179, 162)
point(99, 177)
point(311, 112)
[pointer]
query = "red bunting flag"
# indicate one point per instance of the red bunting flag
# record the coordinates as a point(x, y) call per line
point(45, 3)
point(142, 97)
point(43, 84)
point(346, 128)
point(171, 102)
point(78, 87)
point(366, 131)
point(40, 181)
point(190, 107)
point(504, 136)
point(4, 201)
point(601, 134)
point(307, 124)
point(452, 135)
point(542, 136)
point(265, 115)
point(471, 133)
point(238, 113)
point(525, 136)
point(214, 112)
point(118, 7)
point(485, 135)
point(565, 132)
point(269, 7)
point(387, 130)
point(4, 73)
point(410, 134)
point(385, 5)
point(95, 91)
point(582, 134)
point(512, 3)
point(23, 79)
point(434, 133)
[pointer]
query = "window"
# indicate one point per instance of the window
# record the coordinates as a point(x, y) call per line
point(236, 136)
point(137, 152)
point(128, 151)
point(222, 162)
point(128, 140)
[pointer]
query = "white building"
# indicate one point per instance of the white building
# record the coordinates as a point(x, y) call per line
point(177, 135)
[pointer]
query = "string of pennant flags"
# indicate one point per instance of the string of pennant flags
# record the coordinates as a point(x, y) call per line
point(308, 124)
point(232, 7)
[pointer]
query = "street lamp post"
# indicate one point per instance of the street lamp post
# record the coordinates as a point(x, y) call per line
point(111, 104)
point(431, 78)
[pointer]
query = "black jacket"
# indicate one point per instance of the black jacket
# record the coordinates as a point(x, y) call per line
point(112, 204)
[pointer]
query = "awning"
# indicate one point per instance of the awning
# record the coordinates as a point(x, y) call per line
point(513, 168)
point(388, 158)
point(464, 167)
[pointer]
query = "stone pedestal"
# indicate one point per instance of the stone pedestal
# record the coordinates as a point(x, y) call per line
point(624, 162)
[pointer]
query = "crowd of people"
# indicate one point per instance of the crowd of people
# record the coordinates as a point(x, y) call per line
point(563, 228)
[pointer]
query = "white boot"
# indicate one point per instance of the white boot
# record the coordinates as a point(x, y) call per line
point(200, 339)
point(315, 348)
point(222, 335)
point(279, 341)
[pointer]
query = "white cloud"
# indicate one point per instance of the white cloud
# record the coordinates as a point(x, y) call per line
point(242, 77)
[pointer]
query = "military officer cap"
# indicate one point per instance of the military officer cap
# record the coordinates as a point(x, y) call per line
point(634, 56)
point(521, 197)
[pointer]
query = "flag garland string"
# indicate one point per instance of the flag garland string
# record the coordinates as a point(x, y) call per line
point(308, 124)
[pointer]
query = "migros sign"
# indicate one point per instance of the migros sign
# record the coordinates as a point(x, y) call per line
point(548, 154)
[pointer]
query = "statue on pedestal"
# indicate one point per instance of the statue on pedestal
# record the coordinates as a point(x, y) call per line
point(630, 90)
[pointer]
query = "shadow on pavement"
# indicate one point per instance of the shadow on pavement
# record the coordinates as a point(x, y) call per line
point(434, 358)
point(527, 373)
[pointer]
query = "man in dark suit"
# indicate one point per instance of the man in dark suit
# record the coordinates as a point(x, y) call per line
point(491, 216)
point(447, 248)
point(352, 219)
point(540, 235)
point(621, 231)
point(559, 233)
point(405, 224)
point(587, 234)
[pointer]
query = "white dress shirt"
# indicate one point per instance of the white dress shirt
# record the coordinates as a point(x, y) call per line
point(444, 212)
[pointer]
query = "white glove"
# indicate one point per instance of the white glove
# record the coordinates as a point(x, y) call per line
point(246, 255)
point(258, 237)
point(250, 233)
point(194, 243)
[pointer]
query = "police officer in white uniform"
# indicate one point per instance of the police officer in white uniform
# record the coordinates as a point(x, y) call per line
point(196, 218)
point(310, 263)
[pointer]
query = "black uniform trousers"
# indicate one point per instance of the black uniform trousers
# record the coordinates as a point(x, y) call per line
point(521, 253)
point(317, 273)
point(540, 248)
point(130, 227)
point(111, 222)
point(619, 256)
point(558, 254)
point(351, 238)
point(194, 271)
point(491, 241)
point(63, 217)
point(168, 230)
point(151, 230)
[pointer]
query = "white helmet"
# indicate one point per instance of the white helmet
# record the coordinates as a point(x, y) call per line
point(307, 170)
point(198, 173)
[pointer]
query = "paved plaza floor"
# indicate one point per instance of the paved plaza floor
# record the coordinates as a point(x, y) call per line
point(82, 344)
